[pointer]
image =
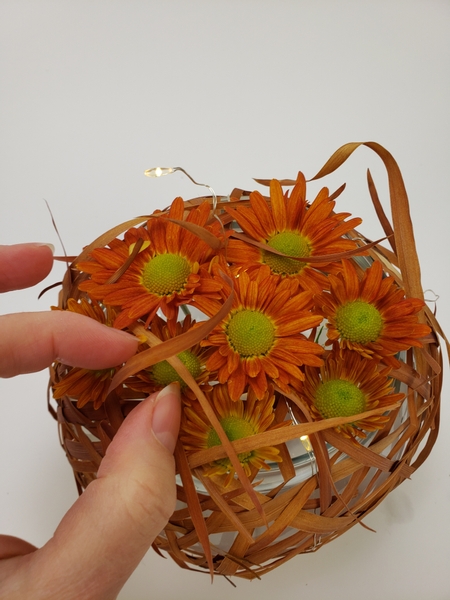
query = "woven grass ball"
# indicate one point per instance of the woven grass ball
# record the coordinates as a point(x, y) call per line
point(308, 362)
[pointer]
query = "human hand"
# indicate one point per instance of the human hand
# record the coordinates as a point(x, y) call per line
point(106, 533)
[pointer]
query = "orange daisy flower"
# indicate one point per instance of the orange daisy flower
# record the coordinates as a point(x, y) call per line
point(239, 420)
point(169, 270)
point(161, 374)
point(260, 338)
point(291, 227)
point(371, 316)
point(84, 384)
point(349, 385)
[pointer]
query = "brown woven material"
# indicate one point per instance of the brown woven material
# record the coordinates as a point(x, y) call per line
point(245, 528)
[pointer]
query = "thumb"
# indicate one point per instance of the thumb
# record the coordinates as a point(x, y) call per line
point(106, 533)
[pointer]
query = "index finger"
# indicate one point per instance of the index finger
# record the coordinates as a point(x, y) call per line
point(29, 342)
point(24, 265)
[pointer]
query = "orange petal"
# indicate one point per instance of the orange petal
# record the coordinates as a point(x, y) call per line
point(351, 280)
point(251, 300)
point(239, 252)
point(236, 383)
point(233, 360)
point(259, 384)
point(261, 208)
point(269, 367)
point(248, 221)
point(252, 366)
point(278, 205)
point(297, 325)
point(215, 361)
point(371, 283)
point(296, 204)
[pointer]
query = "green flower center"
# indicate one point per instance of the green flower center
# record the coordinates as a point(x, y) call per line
point(250, 333)
point(290, 243)
point(162, 373)
point(339, 398)
point(359, 322)
point(235, 429)
point(166, 274)
point(103, 373)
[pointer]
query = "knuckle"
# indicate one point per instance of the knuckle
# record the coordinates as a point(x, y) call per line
point(149, 505)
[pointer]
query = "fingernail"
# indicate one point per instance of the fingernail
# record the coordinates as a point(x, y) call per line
point(51, 246)
point(124, 334)
point(166, 416)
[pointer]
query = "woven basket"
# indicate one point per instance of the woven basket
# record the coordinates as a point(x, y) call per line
point(327, 481)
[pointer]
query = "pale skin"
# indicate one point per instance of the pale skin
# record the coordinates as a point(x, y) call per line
point(105, 534)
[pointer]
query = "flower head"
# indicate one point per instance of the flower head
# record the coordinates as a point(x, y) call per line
point(239, 420)
point(169, 270)
point(162, 373)
point(347, 385)
point(260, 338)
point(371, 315)
point(86, 385)
point(291, 227)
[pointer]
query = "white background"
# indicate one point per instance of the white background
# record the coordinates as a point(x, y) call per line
point(94, 92)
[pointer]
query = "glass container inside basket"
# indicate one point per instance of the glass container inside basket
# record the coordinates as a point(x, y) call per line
point(305, 466)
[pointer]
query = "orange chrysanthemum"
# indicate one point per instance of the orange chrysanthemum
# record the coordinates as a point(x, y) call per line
point(239, 420)
point(84, 384)
point(169, 270)
point(371, 316)
point(161, 374)
point(260, 338)
point(349, 385)
point(291, 227)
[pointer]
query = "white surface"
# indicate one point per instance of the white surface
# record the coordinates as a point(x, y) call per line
point(93, 93)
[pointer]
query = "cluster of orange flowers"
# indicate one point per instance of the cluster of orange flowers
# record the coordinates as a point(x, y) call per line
point(267, 343)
